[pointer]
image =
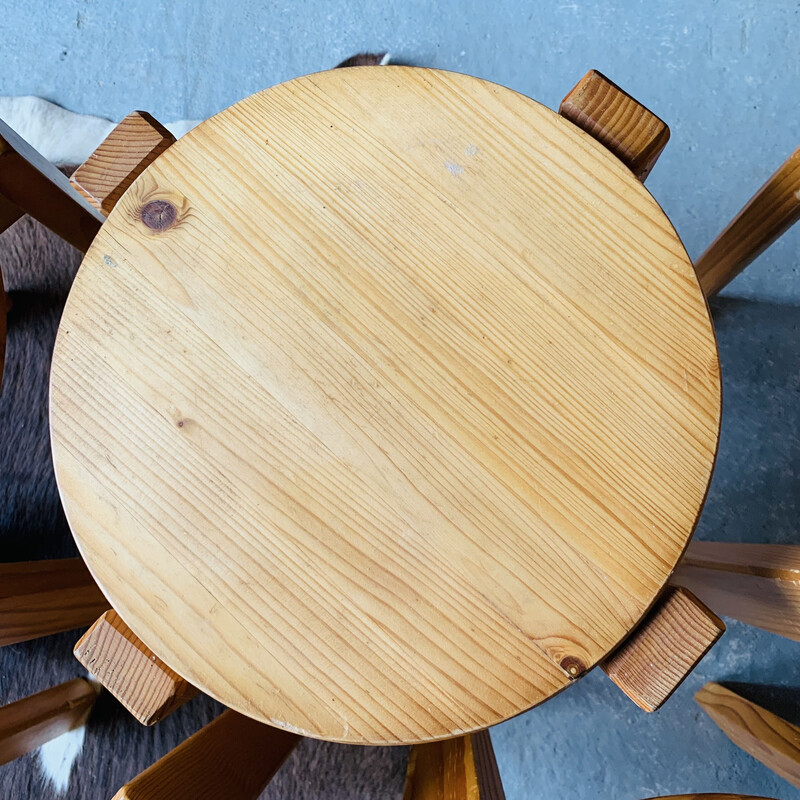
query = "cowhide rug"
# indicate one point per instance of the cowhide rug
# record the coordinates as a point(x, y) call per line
point(95, 761)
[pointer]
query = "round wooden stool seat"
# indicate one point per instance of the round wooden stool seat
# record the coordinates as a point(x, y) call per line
point(384, 404)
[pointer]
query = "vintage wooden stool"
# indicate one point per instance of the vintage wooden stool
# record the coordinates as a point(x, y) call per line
point(383, 407)
point(384, 404)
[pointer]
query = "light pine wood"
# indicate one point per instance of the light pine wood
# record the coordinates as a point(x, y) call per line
point(124, 154)
point(767, 737)
point(125, 666)
point(355, 433)
point(31, 722)
point(668, 644)
point(38, 598)
point(773, 209)
point(756, 583)
point(630, 131)
point(463, 768)
point(110, 650)
point(32, 184)
point(233, 757)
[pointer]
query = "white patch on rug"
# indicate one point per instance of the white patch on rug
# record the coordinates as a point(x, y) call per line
point(57, 757)
point(62, 136)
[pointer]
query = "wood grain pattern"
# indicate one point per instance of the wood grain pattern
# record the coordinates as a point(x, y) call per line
point(110, 650)
point(463, 768)
point(38, 598)
point(767, 737)
point(125, 666)
point(630, 131)
point(32, 184)
point(773, 209)
point(669, 643)
point(233, 757)
point(124, 154)
point(28, 723)
point(756, 583)
point(363, 399)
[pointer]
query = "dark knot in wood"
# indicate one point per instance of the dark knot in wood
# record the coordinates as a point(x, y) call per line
point(573, 666)
point(158, 215)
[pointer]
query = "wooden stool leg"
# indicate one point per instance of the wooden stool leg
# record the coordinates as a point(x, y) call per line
point(38, 598)
point(463, 768)
point(755, 583)
point(666, 646)
point(29, 182)
point(767, 737)
point(74, 208)
point(624, 126)
point(31, 722)
point(125, 666)
point(773, 209)
point(233, 757)
point(125, 153)
point(9, 214)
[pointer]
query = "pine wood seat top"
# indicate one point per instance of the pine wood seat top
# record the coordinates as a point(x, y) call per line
point(384, 404)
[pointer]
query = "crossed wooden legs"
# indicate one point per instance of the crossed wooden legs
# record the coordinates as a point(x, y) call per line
point(38, 598)
point(648, 666)
point(32, 721)
point(30, 184)
point(233, 757)
point(44, 597)
point(772, 740)
point(756, 583)
point(767, 215)
point(463, 768)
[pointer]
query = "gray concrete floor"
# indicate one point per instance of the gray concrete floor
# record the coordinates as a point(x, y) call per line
point(726, 77)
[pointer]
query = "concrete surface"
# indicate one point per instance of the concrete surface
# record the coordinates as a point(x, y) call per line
point(726, 77)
